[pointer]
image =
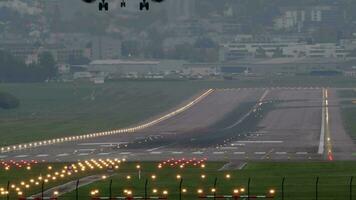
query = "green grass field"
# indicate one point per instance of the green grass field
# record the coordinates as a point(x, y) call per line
point(299, 183)
point(50, 110)
point(348, 111)
point(349, 119)
point(53, 110)
point(300, 179)
point(15, 176)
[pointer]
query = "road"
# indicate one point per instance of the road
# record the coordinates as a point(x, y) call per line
point(289, 130)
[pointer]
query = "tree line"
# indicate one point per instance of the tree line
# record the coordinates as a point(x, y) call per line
point(15, 70)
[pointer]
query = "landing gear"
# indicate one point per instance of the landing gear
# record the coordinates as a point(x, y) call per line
point(123, 4)
point(144, 4)
point(103, 5)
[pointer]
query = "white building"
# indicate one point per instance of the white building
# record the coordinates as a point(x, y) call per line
point(295, 18)
point(140, 68)
point(239, 50)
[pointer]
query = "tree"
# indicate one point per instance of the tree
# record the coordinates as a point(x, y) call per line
point(278, 53)
point(260, 53)
point(130, 48)
point(47, 64)
point(204, 43)
point(8, 101)
point(78, 60)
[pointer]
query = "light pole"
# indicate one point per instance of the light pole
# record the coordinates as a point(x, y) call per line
point(215, 181)
point(283, 187)
point(110, 189)
point(146, 183)
point(138, 167)
point(248, 188)
point(8, 189)
point(180, 188)
point(42, 190)
point(76, 190)
point(316, 188)
point(351, 179)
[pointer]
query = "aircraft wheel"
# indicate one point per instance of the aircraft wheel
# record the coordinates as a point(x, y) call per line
point(106, 6)
point(100, 6)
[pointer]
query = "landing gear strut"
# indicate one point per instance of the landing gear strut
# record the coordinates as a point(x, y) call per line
point(123, 4)
point(103, 5)
point(144, 4)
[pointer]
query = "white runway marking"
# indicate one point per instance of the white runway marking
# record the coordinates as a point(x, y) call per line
point(301, 153)
point(228, 148)
point(102, 143)
point(125, 153)
point(218, 152)
point(154, 149)
point(177, 152)
point(42, 155)
point(103, 154)
point(21, 156)
point(197, 152)
point(86, 149)
point(260, 153)
point(155, 152)
point(239, 153)
point(62, 155)
point(260, 142)
point(322, 128)
point(238, 144)
point(281, 153)
point(83, 154)
point(3, 156)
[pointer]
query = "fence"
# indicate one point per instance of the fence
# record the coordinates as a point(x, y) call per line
point(180, 193)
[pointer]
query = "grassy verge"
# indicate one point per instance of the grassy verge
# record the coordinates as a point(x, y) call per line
point(347, 93)
point(51, 110)
point(349, 119)
point(54, 110)
point(299, 183)
point(14, 176)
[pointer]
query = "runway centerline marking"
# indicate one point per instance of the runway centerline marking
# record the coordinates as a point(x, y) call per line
point(260, 153)
point(154, 149)
point(62, 155)
point(239, 152)
point(125, 153)
point(83, 154)
point(102, 143)
point(260, 142)
point(155, 152)
point(301, 153)
point(21, 156)
point(177, 152)
point(322, 128)
point(86, 149)
point(103, 154)
point(42, 155)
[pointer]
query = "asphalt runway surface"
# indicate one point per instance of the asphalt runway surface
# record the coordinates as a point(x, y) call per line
point(289, 129)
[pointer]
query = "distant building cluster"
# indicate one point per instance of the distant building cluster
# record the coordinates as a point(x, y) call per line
point(241, 48)
point(304, 18)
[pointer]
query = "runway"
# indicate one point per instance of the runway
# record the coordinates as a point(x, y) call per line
point(286, 125)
